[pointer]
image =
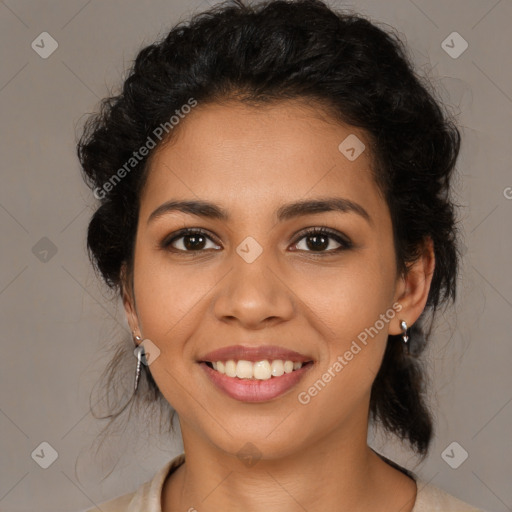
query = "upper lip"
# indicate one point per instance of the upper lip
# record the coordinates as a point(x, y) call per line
point(254, 354)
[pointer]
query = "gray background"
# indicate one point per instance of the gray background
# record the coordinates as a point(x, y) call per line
point(56, 318)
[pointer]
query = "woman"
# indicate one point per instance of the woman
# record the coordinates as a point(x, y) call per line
point(274, 186)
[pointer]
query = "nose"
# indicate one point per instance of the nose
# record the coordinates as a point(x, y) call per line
point(254, 294)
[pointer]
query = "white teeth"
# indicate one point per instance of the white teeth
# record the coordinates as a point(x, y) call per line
point(230, 368)
point(260, 370)
point(288, 367)
point(277, 368)
point(244, 370)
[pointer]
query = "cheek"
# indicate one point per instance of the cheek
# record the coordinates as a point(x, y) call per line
point(355, 309)
point(169, 306)
point(167, 298)
point(349, 299)
point(341, 301)
point(355, 342)
point(341, 304)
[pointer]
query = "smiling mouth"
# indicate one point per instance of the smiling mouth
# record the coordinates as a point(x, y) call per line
point(259, 370)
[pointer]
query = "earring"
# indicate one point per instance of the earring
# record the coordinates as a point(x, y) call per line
point(405, 338)
point(139, 351)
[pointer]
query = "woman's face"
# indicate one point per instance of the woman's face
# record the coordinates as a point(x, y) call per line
point(257, 279)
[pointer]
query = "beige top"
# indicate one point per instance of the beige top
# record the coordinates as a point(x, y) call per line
point(147, 498)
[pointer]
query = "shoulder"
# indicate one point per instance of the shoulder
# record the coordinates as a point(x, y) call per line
point(147, 497)
point(432, 499)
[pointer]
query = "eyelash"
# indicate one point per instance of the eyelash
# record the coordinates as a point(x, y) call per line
point(344, 242)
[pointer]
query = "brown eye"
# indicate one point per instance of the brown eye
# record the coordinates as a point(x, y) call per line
point(189, 240)
point(319, 239)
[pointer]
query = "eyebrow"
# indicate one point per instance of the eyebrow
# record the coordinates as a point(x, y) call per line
point(210, 210)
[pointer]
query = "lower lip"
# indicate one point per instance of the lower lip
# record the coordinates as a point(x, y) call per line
point(254, 390)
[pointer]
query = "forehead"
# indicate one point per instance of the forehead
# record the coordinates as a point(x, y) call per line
point(250, 158)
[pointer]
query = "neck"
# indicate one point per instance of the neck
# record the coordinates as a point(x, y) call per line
point(336, 473)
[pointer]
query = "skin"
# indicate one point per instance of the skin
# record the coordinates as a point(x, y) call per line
point(251, 161)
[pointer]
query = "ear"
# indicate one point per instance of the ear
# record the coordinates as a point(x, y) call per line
point(129, 300)
point(413, 288)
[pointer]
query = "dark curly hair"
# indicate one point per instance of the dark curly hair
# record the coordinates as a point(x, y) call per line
point(275, 51)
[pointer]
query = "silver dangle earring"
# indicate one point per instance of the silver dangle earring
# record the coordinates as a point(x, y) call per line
point(139, 351)
point(405, 338)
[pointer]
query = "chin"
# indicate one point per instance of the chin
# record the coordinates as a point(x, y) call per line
point(258, 444)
